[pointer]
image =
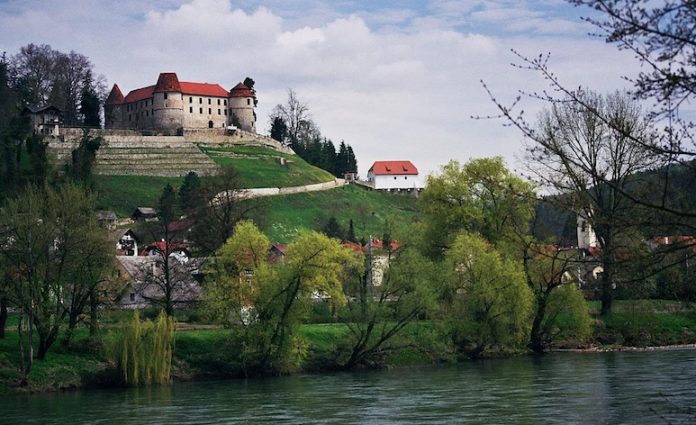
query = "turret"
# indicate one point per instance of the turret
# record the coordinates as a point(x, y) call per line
point(113, 114)
point(167, 102)
point(241, 107)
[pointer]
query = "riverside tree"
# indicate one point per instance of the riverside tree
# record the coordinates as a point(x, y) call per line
point(56, 255)
point(489, 305)
point(480, 196)
point(264, 303)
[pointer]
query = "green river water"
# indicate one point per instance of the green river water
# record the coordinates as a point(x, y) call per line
point(595, 388)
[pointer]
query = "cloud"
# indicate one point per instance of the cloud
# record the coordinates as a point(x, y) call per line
point(394, 83)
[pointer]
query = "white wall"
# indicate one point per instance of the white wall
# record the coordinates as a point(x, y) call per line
point(399, 181)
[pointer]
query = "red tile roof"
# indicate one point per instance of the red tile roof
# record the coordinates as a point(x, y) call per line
point(115, 97)
point(167, 81)
point(203, 89)
point(389, 168)
point(240, 90)
point(139, 94)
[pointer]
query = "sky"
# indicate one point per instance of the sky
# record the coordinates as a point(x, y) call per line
point(397, 80)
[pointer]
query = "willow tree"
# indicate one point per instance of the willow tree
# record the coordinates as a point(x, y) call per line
point(143, 350)
point(264, 303)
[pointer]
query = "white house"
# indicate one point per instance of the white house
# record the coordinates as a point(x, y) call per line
point(394, 175)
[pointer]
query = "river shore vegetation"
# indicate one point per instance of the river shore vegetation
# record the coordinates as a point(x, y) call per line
point(476, 269)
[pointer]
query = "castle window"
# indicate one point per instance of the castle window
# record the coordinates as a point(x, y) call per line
point(219, 113)
point(225, 101)
point(165, 96)
point(200, 100)
point(200, 110)
point(191, 109)
point(209, 101)
point(248, 101)
point(210, 111)
point(129, 117)
point(225, 111)
point(218, 101)
point(190, 99)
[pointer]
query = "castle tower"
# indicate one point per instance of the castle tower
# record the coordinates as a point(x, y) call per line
point(586, 235)
point(113, 110)
point(241, 107)
point(167, 103)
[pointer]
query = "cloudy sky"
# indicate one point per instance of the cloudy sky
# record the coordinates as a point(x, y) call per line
point(394, 79)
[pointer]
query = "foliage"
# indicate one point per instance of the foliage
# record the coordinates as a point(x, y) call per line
point(333, 230)
point(489, 303)
point(266, 302)
point(83, 157)
point(190, 192)
point(55, 254)
point(377, 315)
point(143, 350)
point(482, 196)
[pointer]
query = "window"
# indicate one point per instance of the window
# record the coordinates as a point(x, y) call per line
point(225, 111)
point(405, 177)
point(132, 297)
point(218, 101)
point(200, 100)
point(209, 101)
point(191, 109)
point(190, 99)
point(225, 101)
point(147, 113)
point(210, 111)
point(165, 96)
point(129, 117)
point(219, 113)
point(248, 101)
point(201, 110)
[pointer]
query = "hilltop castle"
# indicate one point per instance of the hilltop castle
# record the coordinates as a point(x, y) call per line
point(171, 105)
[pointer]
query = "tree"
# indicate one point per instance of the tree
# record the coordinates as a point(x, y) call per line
point(378, 314)
point(89, 103)
point(221, 207)
point(266, 302)
point(350, 236)
point(481, 196)
point(295, 115)
point(574, 152)
point(83, 158)
point(190, 196)
point(560, 310)
point(333, 229)
point(490, 305)
point(279, 130)
point(54, 251)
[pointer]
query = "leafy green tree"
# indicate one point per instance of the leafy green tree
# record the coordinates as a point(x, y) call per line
point(167, 205)
point(490, 304)
point(482, 196)
point(279, 130)
point(267, 302)
point(83, 158)
point(379, 314)
point(54, 249)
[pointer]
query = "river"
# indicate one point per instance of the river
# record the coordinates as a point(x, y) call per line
point(594, 388)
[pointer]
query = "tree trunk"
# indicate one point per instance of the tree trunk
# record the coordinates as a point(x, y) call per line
point(3, 316)
point(607, 287)
point(536, 339)
point(72, 323)
point(93, 313)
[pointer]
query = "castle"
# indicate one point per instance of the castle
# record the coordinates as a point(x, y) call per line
point(171, 105)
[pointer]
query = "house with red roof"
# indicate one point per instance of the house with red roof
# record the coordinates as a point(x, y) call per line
point(170, 105)
point(394, 175)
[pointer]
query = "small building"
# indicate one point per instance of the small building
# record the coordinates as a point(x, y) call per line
point(127, 243)
point(107, 219)
point(144, 214)
point(394, 175)
point(45, 120)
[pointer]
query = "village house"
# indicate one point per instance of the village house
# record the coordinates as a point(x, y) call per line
point(171, 105)
point(126, 243)
point(394, 176)
point(144, 214)
point(44, 120)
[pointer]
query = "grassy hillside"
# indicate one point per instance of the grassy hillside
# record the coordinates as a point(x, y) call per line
point(257, 167)
point(286, 215)
point(261, 167)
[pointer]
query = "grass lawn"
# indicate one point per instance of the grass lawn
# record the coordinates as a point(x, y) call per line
point(261, 167)
point(287, 215)
point(122, 194)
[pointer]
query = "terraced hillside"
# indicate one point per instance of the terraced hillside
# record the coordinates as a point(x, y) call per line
point(144, 156)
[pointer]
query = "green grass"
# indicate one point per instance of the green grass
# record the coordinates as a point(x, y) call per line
point(287, 215)
point(261, 167)
point(122, 194)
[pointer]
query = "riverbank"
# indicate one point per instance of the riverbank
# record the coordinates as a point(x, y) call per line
point(203, 352)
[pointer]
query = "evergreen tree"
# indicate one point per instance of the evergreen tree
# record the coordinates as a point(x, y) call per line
point(279, 130)
point(167, 205)
point(190, 192)
point(351, 232)
point(328, 156)
point(342, 160)
point(332, 229)
point(89, 103)
point(352, 162)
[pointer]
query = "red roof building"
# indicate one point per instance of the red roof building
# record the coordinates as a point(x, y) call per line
point(394, 175)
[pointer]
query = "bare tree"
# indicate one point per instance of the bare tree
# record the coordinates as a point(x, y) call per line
point(295, 114)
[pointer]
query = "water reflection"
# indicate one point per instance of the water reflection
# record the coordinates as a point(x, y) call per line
point(607, 388)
